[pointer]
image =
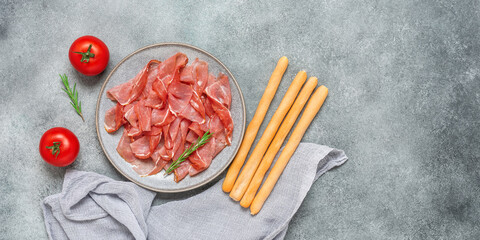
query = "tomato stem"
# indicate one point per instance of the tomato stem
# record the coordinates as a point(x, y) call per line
point(55, 149)
point(86, 55)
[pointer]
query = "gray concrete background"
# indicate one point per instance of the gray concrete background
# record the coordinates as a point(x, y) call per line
point(403, 104)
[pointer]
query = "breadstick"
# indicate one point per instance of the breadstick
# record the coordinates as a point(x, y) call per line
point(311, 110)
point(250, 167)
point(254, 125)
point(277, 142)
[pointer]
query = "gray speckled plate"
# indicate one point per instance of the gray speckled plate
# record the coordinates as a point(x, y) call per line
point(127, 69)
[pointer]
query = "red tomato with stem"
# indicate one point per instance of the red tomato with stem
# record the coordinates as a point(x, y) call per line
point(59, 147)
point(89, 55)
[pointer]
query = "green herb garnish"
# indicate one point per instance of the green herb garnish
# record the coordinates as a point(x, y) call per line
point(200, 142)
point(73, 94)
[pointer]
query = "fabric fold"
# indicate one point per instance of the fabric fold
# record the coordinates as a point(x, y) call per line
point(92, 206)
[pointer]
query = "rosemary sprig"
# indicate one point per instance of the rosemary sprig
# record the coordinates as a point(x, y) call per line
point(73, 94)
point(200, 142)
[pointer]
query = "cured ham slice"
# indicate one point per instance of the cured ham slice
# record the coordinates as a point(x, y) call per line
point(191, 114)
point(219, 96)
point(144, 115)
point(160, 89)
point(181, 104)
point(164, 109)
point(186, 75)
point(131, 116)
point(140, 166)
point(162, 117)
point(114, 118)
point(220, 90)
point(182, 171)
point(197, 105)
point(199, 129)
point(174, 128)
point(151, 77)
point(191, 137)
point(166, 134)
point(180, 138)
point(211, 80)
point(208, 107)
point(154, 131)
point(154, 101)
point(202, 158)
point(200, 75)
point(141, 147)
point(158, 161)
point(192, 171)
point(133, 131)
point(179, 95)
point(123, 148)
point(154, 141)
point(170, 69)
point(164, 154)
point(127, 92)
point(218, 131)
point(226, 118)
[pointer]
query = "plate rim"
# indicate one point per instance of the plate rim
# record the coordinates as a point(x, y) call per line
point(202, 183)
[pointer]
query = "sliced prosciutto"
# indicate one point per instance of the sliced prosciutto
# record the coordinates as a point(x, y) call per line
point(162, 117)
point(202, 158)
point(170, 69)
point(179, 95)
point(141, 147)
point(127, 92)
point(114, 118)
point(131, 116)
point(220, 90)
point(144, 115)
point(123, 148)
point(200, 75)
point(183, 102)
point(142, 167)
point(208, 107)
point(165, 109)
point(151, 78)
point(158, 161)
point(160, 89)
point(197, 104)
point(220, 98)
point(191, 137)
point(182, 171)
point(186, 75)
point(152, 99)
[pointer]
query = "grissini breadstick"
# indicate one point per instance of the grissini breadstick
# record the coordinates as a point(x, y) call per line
point(311, 110)
point(277, 142)
point(254, 125)
point(250, 167)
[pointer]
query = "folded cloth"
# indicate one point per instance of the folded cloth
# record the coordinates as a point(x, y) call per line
point(92, 206)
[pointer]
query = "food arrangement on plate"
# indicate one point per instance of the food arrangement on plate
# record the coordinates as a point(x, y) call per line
point(180, 63)
point(165, 110)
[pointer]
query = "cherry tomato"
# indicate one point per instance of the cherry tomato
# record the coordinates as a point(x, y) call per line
point(59, 147)
point(89, 55)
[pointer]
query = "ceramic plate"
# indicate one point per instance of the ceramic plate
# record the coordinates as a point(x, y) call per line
point(127, 69)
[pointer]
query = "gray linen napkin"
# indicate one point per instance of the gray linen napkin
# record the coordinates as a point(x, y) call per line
point(92, 206)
